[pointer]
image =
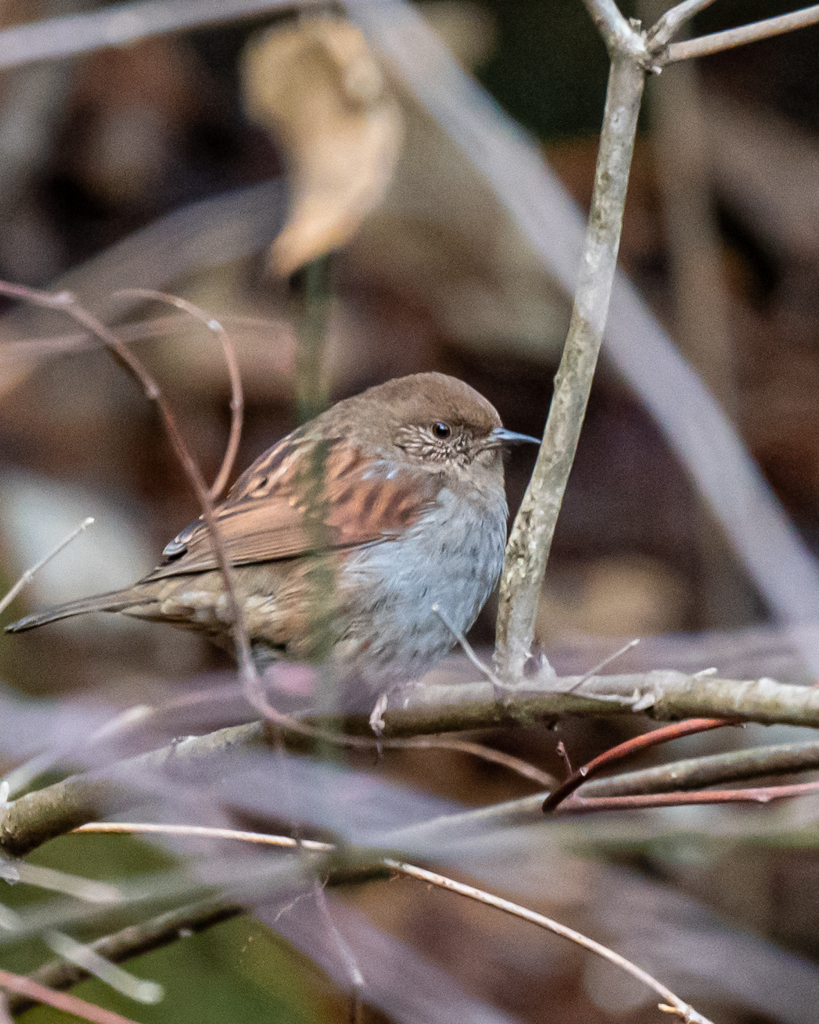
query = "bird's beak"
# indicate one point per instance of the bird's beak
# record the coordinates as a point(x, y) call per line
point(510, 437)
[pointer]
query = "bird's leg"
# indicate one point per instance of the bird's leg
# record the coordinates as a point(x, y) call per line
point(377, 723)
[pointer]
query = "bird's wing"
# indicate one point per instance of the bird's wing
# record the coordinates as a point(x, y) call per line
point(304, 496)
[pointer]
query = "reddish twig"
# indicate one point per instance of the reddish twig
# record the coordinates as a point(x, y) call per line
point(237, 400)
point(23, 986)
point(66, 303)
point(632, 746)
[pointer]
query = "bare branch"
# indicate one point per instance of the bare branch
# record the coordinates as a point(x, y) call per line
point(237, 401)
point(54, 810)
point(531, 538)
point(697, 772)
point(677, 1005)
point(618, 34)
point(691, 727)
point(29, 574)
point(673, 20)
point(732, 37)
point(604, 663)
point(489, 754)
point(166, 928)
point(206, 831)
point(639, 801)
point(141, 330)
point(469, 650)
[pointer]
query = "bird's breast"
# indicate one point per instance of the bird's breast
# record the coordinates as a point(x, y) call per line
point(449, 560)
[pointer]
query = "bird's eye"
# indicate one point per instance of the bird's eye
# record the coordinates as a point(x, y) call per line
point(441, 430)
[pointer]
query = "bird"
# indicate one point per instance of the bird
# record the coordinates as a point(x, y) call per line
point(366, 540)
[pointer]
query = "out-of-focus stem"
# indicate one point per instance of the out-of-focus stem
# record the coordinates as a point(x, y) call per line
point(311, 378)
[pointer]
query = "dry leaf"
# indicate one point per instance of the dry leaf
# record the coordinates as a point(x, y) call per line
point(317, 86)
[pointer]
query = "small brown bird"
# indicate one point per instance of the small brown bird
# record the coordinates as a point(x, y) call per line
point(345, 536)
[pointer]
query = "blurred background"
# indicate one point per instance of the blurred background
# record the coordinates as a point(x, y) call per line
point(176, 162)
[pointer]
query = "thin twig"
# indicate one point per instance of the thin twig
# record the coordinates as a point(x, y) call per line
point(23, 775)
point(698, 772)
point(603, 664)
point(354, 975)
point(167, 928)
point(469, 650)
point(29, 574)
point(140, 330)
point(206, 831)
point(434, 878)
point(479, 750)
point(679, 1006)
point(237, 400)
point(759, 795)
point(732, 37)
point(89, 960)
point(673, 20)
point(288, 725)
point(59, 1000)
point(66, 302)
point(626, 749)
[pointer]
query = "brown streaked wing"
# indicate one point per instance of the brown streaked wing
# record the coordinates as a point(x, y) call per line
point(270, 514)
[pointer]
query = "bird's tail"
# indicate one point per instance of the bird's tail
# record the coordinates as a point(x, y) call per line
point(115, 601)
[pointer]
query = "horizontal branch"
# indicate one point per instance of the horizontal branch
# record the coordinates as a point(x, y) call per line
point(578, 804)
point(673, 20)
point(665, 695)
point(55, 810)
point(697, 772)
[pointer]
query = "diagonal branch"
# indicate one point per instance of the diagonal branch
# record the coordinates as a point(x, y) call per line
point(59, 1000)
point(673, 20)
point(733, 37)
point(693, 726)
point(617, 32)
point(29, 574)
point(531, 538)
point(675, 1004)
point(135, 940)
